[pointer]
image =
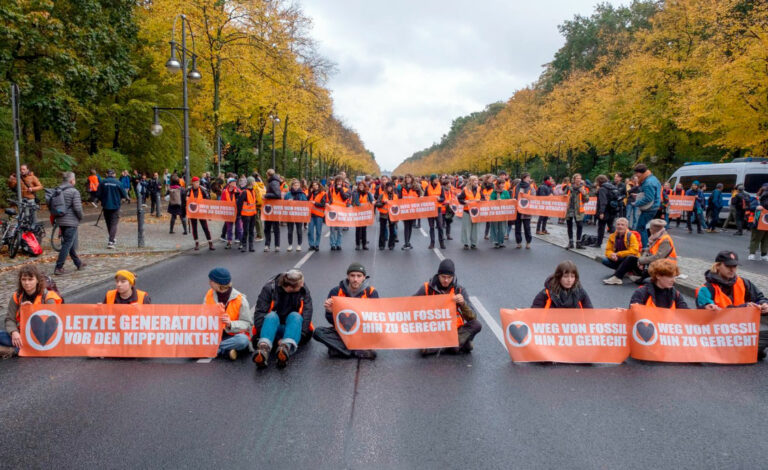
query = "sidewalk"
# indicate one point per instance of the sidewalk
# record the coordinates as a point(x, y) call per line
point(691, 269)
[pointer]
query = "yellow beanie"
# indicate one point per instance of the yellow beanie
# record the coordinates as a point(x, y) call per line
point(128, 275)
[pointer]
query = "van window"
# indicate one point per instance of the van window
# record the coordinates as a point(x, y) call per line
point(753, 181)
point(729, 181)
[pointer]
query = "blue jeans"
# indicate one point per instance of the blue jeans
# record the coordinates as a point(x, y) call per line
point(336, 236)
point(236, 342)
point(631, 214)
point(315, 231)
point(290, 331)
point(642, 221)
point(68, 247)
point(5, 339)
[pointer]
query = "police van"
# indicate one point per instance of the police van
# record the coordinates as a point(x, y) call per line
point(751, 172)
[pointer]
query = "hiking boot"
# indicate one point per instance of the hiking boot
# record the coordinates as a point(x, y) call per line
point(579, 246)
point(442, 245)
point(261, 358)
point(431, 246)
point(283, 354)
point(365, 354)
point(232, 354)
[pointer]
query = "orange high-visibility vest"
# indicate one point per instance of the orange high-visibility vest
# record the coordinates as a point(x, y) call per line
point(232, 309)
point(424, 184)
point(336, 199)
point(487, 194)
point(365, 295)
point(38, 300)
point(650, 303)
point(655, 247)
point(93, 183)
point(363, 198)
point(459, 318)
point(468, 196)
point(112, 296)
point(409, 192)
point(249, 205)
point(229, 196)
point(317, 199)
point(199, 197)
point(385, 197)
point(722, 300)
point(581, 201)
point(549, 300)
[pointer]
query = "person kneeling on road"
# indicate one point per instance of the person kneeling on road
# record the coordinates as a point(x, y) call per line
point(235, 313)
point(444, 282)
point(622, 244)
point(284, 312)
point(563, 289)
point(659, 290)
point(125, 291)
point(725, 289)
point(31, 290)
point(356, 285)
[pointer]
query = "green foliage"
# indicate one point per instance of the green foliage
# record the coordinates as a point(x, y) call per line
point(102, 161)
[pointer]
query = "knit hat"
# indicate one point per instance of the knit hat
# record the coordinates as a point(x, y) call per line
point(658, 223)
point(447, 267)
point(433, 176)
point(195, 178)
point(129, 276)
point(220, 276)
point(356, 268)
point(231, 180)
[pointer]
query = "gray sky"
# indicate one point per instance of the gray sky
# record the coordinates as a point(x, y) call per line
point(407, 68)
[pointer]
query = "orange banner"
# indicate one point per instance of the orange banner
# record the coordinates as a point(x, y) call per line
point(492, 211)
point(547, 206)
point(566, 335)
point(679, 204)
point(727, 336)
point(410, 208)
point(120, 330)
point(590, 208)
point(209, 209)
point(762, 220)
point(281, 210)
point(456, 207)
point(351, 216)
point(396, 323)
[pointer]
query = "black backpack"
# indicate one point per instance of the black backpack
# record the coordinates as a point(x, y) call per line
point(55, 200)
point(614, 200)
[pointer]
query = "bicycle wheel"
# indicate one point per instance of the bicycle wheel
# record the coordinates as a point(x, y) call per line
point(56, 237)
point(15, 244)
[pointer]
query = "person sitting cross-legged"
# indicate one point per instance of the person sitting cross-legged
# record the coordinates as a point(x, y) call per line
point(621, 245)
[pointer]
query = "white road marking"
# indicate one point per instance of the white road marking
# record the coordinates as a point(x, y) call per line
point(327, 234)
point(489, 320)
point(439, 254)
point(303, 260)
point(205, 360)
point(423, 232)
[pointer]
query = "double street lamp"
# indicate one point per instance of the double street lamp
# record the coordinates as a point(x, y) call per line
point(275, 119)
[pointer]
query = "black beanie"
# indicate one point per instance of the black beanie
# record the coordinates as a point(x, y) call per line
point(446, 267)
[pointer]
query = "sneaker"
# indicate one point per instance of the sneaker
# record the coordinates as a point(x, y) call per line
point(298, 248)
point(229, 246)
point(222, 239)
point(613, 281)
point(232, 354)
point(752, 257)
point(518, 246)
point(94, 204)
point(289, 249)
point(266, 249)
point(111, 246)
point(474, 247)
point(466, 247)
point(259, 239)
point(283, 354)
point(277, 249)
point(633, 278)
point(527, 246)
point(764, 257)
point(261, 358)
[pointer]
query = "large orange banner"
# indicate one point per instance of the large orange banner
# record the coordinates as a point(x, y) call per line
point(727, 336)
point(762, 220)
point(396, 323)
point(679, 204)
point(210, 209)
point(590, 208)
point(120, 330)
point(410, 208)
point(281, 210)
point(547, 206)
point(566, 335)
point(456, 207)
point(492, 211)
point(349, 216)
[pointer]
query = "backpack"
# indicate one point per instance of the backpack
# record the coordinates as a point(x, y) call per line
point(614, 200)
point(30, 245)
point(55, 200)
point(175, 197)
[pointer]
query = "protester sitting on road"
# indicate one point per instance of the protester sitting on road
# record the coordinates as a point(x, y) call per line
point(445, 282)
point(563, 289)
point(283, 312)
point(723, 288)
point(659, 290)
point(235, 313)
point(660, 246)
point(621, 245)
point(125, 291)
point(30, 290)
point(356, 285)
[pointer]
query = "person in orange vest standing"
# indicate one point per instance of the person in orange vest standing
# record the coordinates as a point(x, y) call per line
point(409, 189)
point(198, 193)
point(318, 198)
point(356, 285)
point(338, 195)
point(295, 193)
point(578, 194)
point(93, 187)
point(470, 193)
point(386, 226)
point(563, 289)
point(31, 290)
point(235, 313)
point(230, 193)
point(659, 290)
point(361, 196)
point(247, 204)
point(435, 189)
point(468, 326)
point(724, 288)
point(125, 291)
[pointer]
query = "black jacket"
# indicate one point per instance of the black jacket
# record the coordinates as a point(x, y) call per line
point(603, 197)
point(662, 298)
point(567, 299)
point(273, 188)
point(284, 304)
point(434, 287)
point(544, 190)
point(366, 287)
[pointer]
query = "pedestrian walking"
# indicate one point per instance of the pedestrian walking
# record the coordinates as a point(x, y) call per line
point(68, 223)
point(111, 195)
point(177, 203)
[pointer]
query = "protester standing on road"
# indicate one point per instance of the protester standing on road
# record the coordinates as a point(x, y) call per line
point(338, 195)
point(111, 195)
point(578, 195)
point(125, 291)
point(356, 285)
point(68, 223)
point(724, 288)
point(499, 229)
point(30, 290)
point(648, 199)
point(523, 221)
point(246, 208)
point(361, 195)
point(284, 313)
point(198, 193)
point(740, 204)
point(470, 193)
point(386, 226)
point(235, 313)
point(563, 289)
point(295, 193)
point(545, 189)
point(409, 189)
point(659, 290)
point(272, 228)
point(230, 193)
point(29, 186)
point(315, 231)
point(435, 189)
point(177, 203)
point(448, 214)
point(714, 206)
point(697, 214)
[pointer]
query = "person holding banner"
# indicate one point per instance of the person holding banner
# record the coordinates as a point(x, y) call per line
point(230, 193)
point(447, 211)
point(361, 196)
point(386, 226)
point(338, 195)
point(315, 231)
point(724, 288)
point(236, 314)
point(435, 189)
point(30, 290)
point(523, 221)
point(444, 282)
point(563, 289)
point(197, 193)
point(247, 203)
point(659, 291)
point(578, 195)
point(125, 291)
point(470, 193)
point(356, 285)
point(409, 189)
point(295, 193)
point(544, 190)
point(283, 312)
point(499, 228)
point(272, 227)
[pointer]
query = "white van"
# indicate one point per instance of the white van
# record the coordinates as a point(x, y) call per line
point(751, 172)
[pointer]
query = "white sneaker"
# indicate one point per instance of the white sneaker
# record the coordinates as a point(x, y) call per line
point(266, 249)
point(277, 248)
point(764, 258)
point(298, 248)
point(613, 281)
point(289, 249)
point(752, 257)
point(633, 278)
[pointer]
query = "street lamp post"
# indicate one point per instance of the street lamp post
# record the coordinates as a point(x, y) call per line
point(15, 112)
point(275, 119)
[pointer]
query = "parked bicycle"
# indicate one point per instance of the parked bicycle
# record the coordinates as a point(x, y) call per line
point(16, 224)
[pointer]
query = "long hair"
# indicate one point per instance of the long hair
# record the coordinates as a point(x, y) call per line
point(31, 270)
point(564, 267)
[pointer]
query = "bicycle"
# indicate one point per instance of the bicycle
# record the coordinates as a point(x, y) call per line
point(16, 225)
point(57, 236)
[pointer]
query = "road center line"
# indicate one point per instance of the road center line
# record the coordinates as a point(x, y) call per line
point(489, 320)
point(303, 260)
point(205, 360)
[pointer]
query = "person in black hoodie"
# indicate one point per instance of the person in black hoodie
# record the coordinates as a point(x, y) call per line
point(544, 190)
point(284, 312)
point(563, 289)
point(356, 285)
point(444, 282)
point(606, 212)
point(523, 221)
point(273, 192)
point(659, 290)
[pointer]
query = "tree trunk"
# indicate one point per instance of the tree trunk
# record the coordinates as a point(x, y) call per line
point(285, 139)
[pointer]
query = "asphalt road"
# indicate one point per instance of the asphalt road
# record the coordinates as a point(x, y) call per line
point(400, 411)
